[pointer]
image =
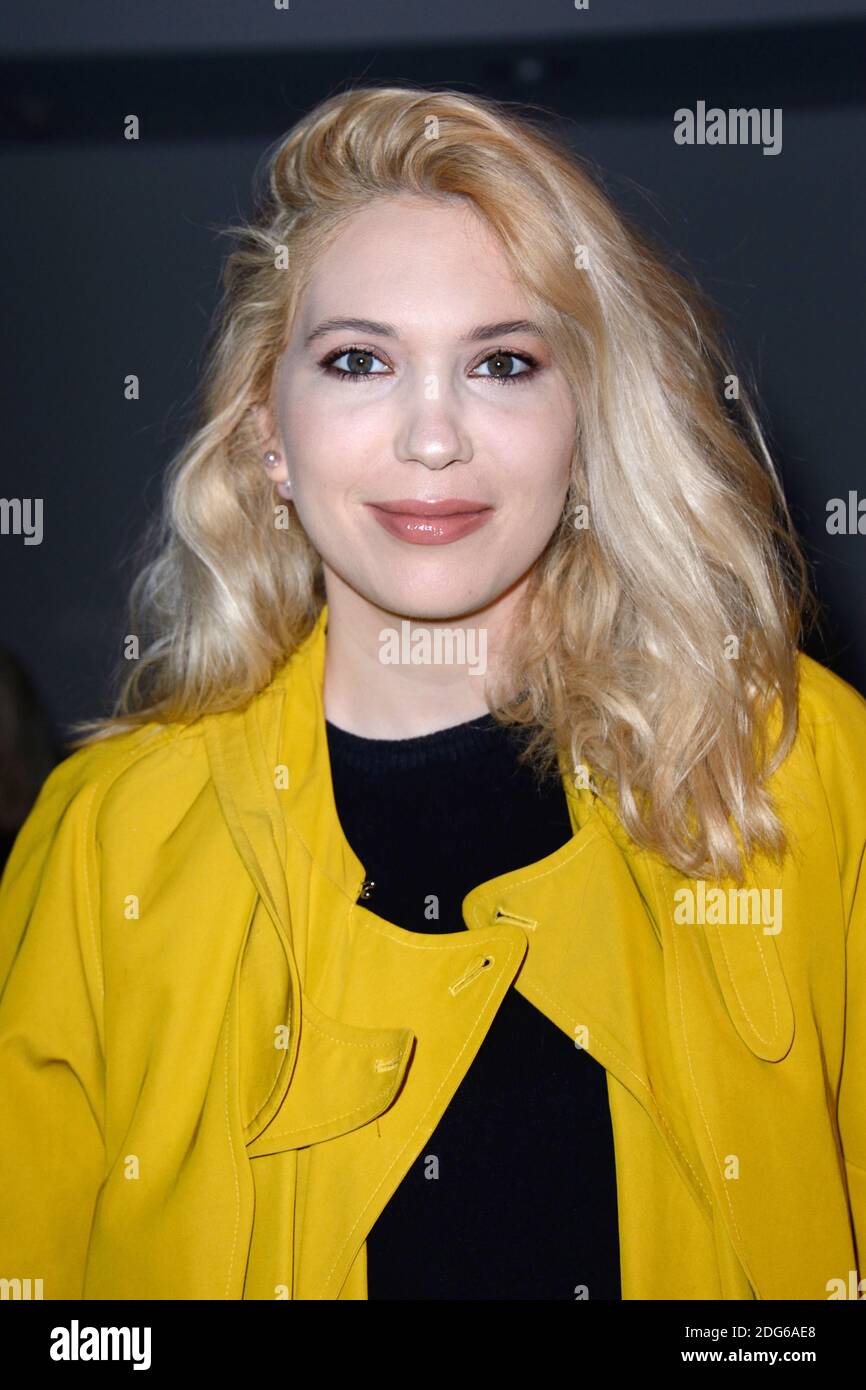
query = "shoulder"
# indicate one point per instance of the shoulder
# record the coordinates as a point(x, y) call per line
point(824, 776)
point(827, 698)
point(832, 727)
point(119, 780)
point(48, 882)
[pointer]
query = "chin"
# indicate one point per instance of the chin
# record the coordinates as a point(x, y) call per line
point(435, 609)
point(431, 603)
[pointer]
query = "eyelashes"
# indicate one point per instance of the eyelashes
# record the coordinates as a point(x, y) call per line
point(532, 366)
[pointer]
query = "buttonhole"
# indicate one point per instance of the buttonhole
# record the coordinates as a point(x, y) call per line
point(472, 973)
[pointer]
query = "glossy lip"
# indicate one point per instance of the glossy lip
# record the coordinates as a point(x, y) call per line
point(431, 522)
point(437, 506)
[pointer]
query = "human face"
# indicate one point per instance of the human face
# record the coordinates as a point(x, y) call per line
point(424, 401)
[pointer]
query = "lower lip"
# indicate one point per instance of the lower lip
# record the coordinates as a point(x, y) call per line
point(430, 530)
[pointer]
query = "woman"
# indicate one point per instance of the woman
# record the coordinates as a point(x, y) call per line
point(463, 900)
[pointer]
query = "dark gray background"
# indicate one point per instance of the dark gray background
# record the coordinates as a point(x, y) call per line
point(112, 258)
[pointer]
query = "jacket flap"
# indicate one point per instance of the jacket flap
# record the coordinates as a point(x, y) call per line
point(344, 1077)
point(737, 928)
point(750, 975)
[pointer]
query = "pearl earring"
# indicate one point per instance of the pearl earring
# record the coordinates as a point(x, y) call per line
point(271, 461)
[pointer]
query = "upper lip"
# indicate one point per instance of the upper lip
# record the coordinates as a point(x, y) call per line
point(438, 506)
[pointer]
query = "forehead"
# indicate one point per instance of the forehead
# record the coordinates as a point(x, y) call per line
point(412, 258)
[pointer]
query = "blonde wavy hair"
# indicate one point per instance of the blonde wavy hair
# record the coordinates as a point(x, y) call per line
point(622, 654)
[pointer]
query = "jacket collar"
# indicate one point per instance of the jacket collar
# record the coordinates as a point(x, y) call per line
point(296, 702)
point(297, 717)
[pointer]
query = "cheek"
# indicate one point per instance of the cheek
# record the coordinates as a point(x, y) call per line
point(538, 449)
point(330, 445)
point(535, 506)
point(315, 449)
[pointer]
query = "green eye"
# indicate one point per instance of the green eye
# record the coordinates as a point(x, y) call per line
point(505, 360)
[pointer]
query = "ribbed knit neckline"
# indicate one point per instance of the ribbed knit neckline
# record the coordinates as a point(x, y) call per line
point(477, 736)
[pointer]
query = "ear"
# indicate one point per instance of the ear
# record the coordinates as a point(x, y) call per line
point(263, 423)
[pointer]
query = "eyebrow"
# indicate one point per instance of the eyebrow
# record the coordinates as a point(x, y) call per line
point(387, 330)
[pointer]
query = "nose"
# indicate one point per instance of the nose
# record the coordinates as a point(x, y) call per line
point(432, 434)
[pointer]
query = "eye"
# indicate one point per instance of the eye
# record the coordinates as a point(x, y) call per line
point(361, 360)
point(360, 364)
point(502, 362)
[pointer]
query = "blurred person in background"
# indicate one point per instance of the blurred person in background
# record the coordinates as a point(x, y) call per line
point(28, 749)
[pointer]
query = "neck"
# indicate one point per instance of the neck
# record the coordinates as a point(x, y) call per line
point(388, 676)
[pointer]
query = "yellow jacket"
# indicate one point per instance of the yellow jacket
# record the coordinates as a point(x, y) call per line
point(216, 1068)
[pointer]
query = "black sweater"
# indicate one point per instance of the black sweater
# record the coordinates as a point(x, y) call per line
point(524, 1204)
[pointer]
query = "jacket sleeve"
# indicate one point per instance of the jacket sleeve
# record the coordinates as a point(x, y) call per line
point(52, 1156)
point(841, 745)
point(852, 1091)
